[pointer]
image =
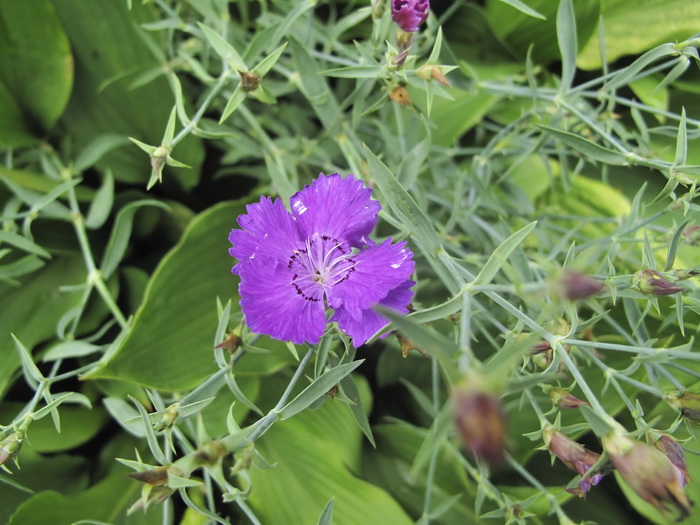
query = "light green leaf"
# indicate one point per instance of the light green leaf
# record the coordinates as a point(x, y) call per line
point(224, 49)
point(500, 255)
point(318, 388)
point(588, 148)
point(568, 46)
point(102, 205)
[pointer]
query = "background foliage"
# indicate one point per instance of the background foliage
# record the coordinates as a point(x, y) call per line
point(133, 134)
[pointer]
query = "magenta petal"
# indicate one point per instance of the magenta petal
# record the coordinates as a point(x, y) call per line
point(273, 306)
point(377, 271)
point(337, 207)
point(369, 322)
point(268, 229)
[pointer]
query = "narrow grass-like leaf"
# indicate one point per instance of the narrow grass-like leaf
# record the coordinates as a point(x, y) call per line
point(313, 86)
point(233, 386)
point(101, 207)
point(427, 340)
point(318, 388)
point(626, 75)
point(524, 8)
point(439, 311)
point(500, 255)
point(673, 246)
point(358, 410)
point(236, 99)
point(194, 408)
point(326, 517)
point(402, 204)
point(224, 49)
point(292, 16)
point(121, 231)
point(98, 148)
point(675, 73)
point(69, 349)
point(568, 45)
point(151, 438)
point(28, 365)
point(50, 407)
point(266, 64)
point(18, 241)
point(170, 128)
point(178, 482)
point(599, 426)
point(681, 142)
point(355, 72)
point(435, 438)
point(591, 149)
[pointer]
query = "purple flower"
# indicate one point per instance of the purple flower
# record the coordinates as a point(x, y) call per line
point(295, 265)
point(409, 14)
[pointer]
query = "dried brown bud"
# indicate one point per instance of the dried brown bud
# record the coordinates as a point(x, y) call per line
point(231, 343)
point(480, 421)
point(249, 81)
point(648, 472)
point(155, 476)
point(653, 283)
point(400, 95)
point(577, 457)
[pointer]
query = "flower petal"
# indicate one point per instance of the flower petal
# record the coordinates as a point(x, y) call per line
point(274, 306)
point(369, 321)
point(268, 229)
point(337, 207)
point(376, 271)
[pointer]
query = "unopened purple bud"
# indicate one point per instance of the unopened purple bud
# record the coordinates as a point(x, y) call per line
point(563, 398)
point(480, 421)
point(576, 286)
point(674, 452)
point(653, 283)
point(648, 472)
point(409, 14)
point(575, 456)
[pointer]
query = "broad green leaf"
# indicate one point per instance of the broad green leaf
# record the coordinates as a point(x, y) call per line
point(121, 232)
point(105, 502)
point(170, 345)
point(36, 67)
point(110, 50)
point(518, 30)
point(78, 426)
point(662, 20)
point(316, 452)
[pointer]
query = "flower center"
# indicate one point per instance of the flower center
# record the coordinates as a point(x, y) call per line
point(320, 265)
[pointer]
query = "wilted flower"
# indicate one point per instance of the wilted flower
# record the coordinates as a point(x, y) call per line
point(688, 403)
point(647, 471)
point(575, 456)
point(295, 265)
point(409, 14)
point(653, 283)
point(576, 286)
point(563, 398)
point(673, 451)
point(480, 420)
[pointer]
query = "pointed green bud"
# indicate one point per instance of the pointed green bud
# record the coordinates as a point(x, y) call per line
point(10, 446)
point(167, 418)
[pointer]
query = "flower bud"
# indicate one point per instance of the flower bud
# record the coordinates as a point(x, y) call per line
point(576, 286)
point(480, 420)
point(232, 342)
point(155, 476)
point(577, 457)
point(688, 403)
point(167, 418)
point(249, 81)
point(563, 398)
point(156, 496)
point(430, 72)
point(673, 451)
point(647, 471)
point(409, 14)
point(682, 275)
point(10, 446)
point(653, 283)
